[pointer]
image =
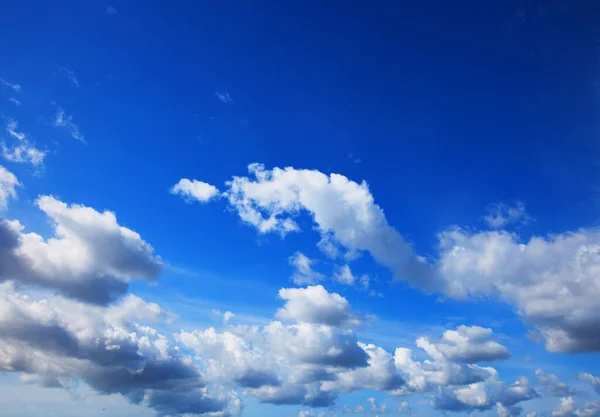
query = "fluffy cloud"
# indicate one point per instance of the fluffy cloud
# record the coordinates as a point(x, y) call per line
point(565, 407)
point(553, 385)
point(91, 257)
point(503, 411)
point(55, 341)
point(593, 380)
point(304, 274)
point(484, 395)
point(552, 281)
point(344, 211)
point(195, 190)
point(8, 186)
point(467, 345)
point(314, 304)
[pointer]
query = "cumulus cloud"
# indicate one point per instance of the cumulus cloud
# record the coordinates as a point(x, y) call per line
point(484, 395)
point(90, 257)
point(549, 280)
point(304, 273)
point(344, 212)
point(314, 304)
point(466, 344)
point(195, 190)
point(501, 215)
point(552, 281)
point(8, 189)
point(593, 380)
point(565, 407)
point(553, 385)
point(375, 409)
point(404, 408)
point(56, 340)
point(502, 411)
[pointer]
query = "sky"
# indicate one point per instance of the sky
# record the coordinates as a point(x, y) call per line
point(300, 209)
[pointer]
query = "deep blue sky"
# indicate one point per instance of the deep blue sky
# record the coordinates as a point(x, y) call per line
point(442, 107)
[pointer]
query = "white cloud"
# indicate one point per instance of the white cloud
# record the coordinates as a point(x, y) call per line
point(549, 280)
point(90, 257)
point(593, 380)
point(304, 274)
point(13, 86)
point(404, 408)
point(195, 190)
point(375, 409)
point(22, 151)
point(503, 411)
point(501, 215)
point(553, 385)
point(65, 121)
point(531, 414)
point(55, 341)
point(565, 407)
point(14, 101)
point(111, 10)
point(225, 317)
point(552, 281)
point(224, 97)
point(70, 74)
point(8, 187)
point(343, 210)
point(314, 304)
point(467, 345)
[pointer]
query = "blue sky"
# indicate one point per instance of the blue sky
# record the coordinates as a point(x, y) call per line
point(448, 153)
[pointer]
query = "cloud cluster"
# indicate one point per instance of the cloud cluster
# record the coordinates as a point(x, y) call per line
point(550, 280)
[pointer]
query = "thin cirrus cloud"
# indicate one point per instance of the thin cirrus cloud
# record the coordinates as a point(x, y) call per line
point(528, 274)
point(65, 121)
point(69, 74)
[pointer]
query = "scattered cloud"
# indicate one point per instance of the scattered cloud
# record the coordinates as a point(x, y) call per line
point(354, 159)
point(70, 74)
point(194, 190)
point(344, 275)
point(593, 380)
point(225, 317)
point(501, 215)
point(13, 86)
point(65, 121)
point(554, 386)
point(111, 10)
point(224, 97)
point(549, 280)
point(21, 150)
point(304, 274)
point(8, 188)
point(15, 101)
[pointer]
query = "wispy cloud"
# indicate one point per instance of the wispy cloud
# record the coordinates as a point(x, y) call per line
point(8, 84)
point(224, 97)
point(64, 120)
point(14, 100)
point(354, 159)
point(111, 10)
point(21, 151)
point(70, 74)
